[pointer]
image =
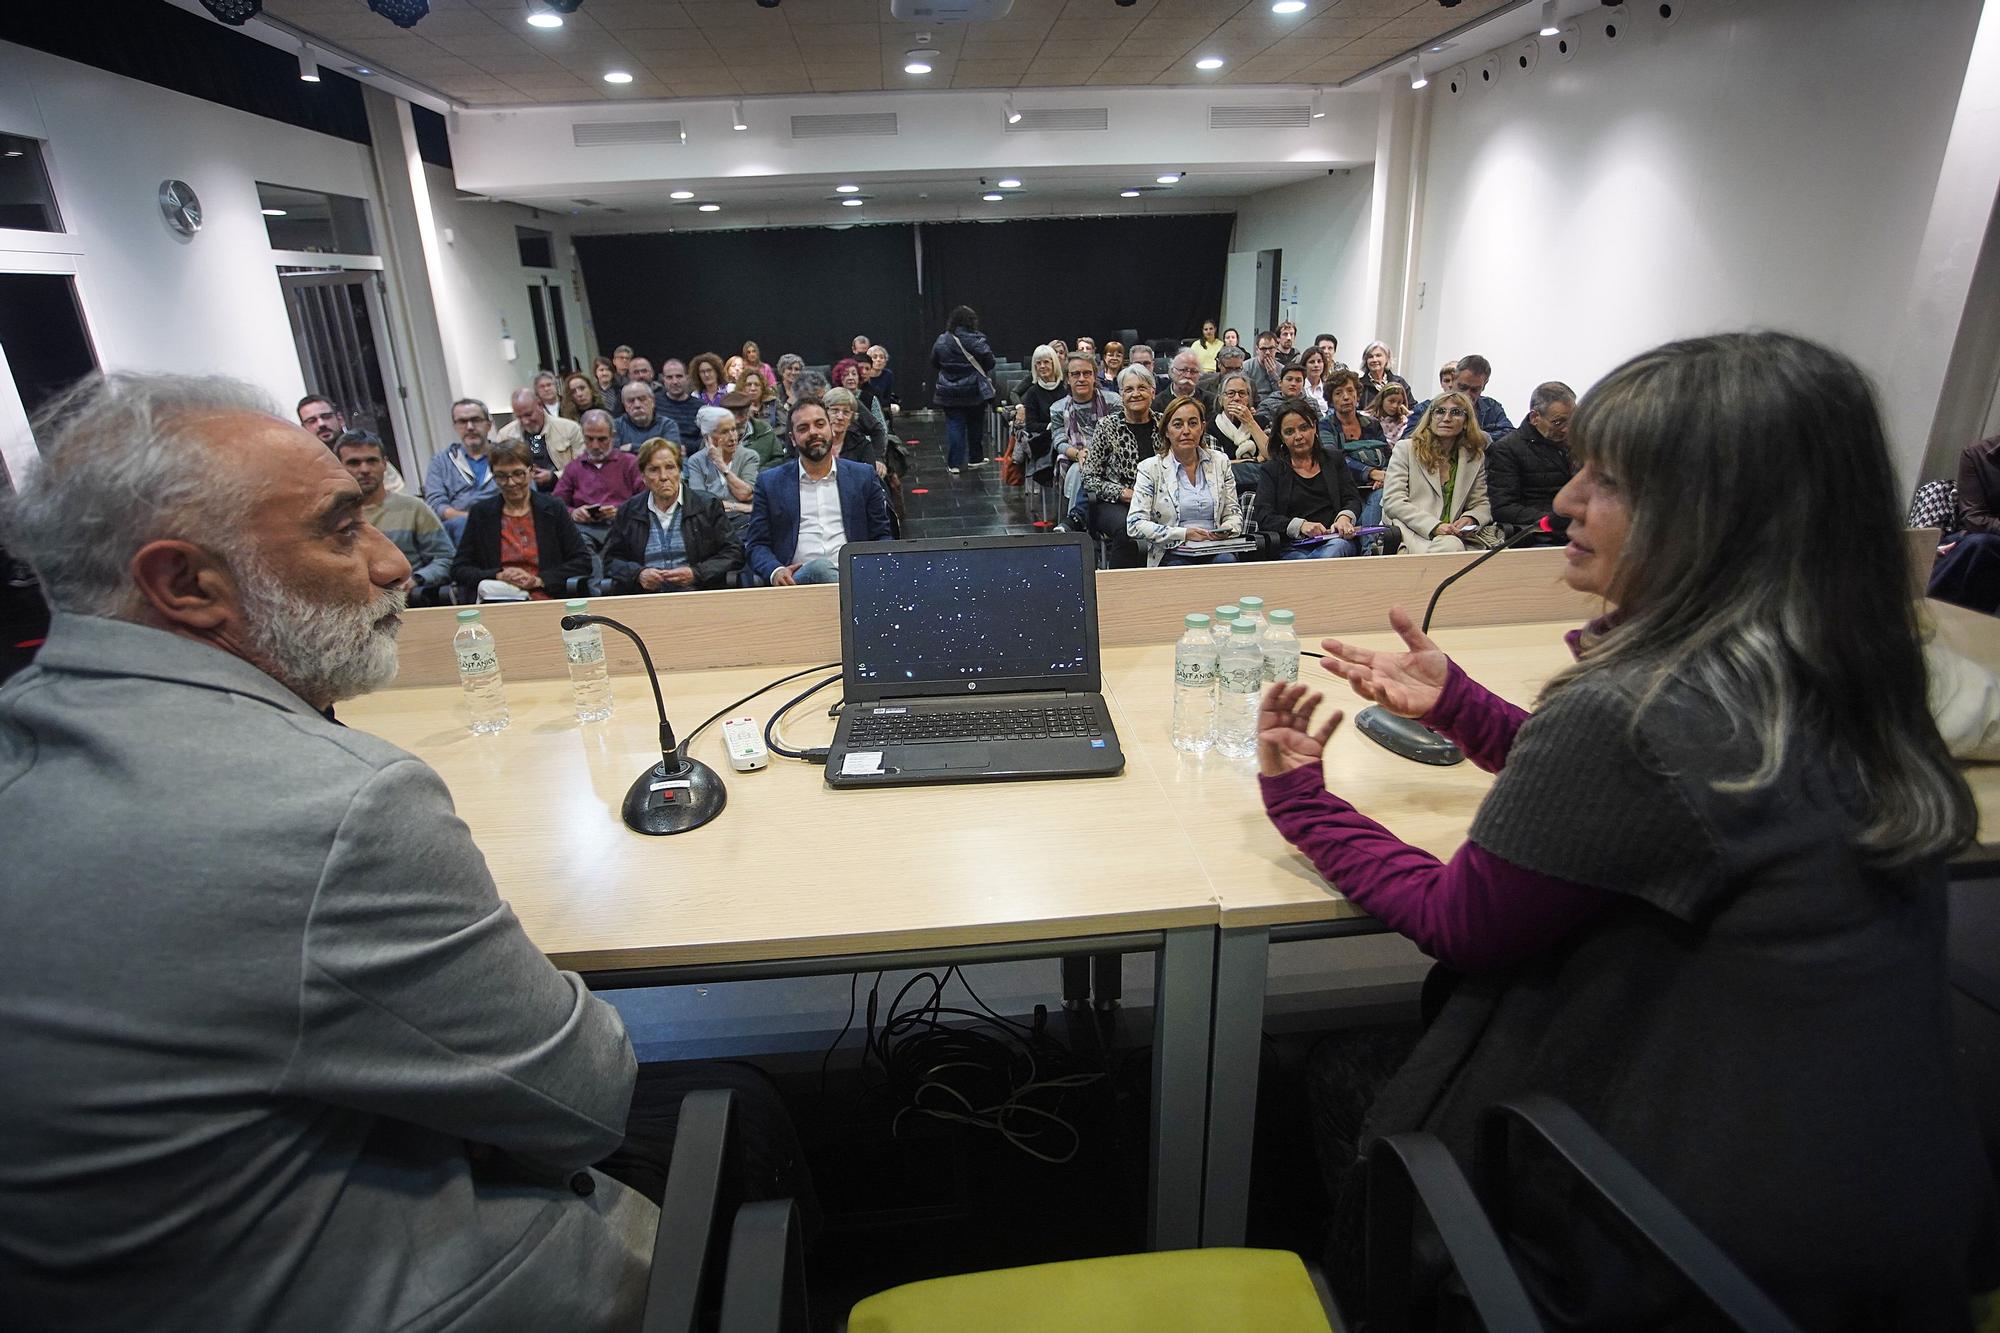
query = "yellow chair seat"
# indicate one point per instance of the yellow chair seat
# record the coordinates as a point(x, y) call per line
point(1265, 1290)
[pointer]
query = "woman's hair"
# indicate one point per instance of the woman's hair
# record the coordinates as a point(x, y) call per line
point(1310, 355)
point(962, 317)
point(709, 418)
point(1178, 401)
point(604, 361)
point(1390, 390)
point(1133, 372)
point(1293, 407)
point(1432, 454)
point(1388, 357)
point(656, 445)
point(1113, 346)
point(752, 386)
point(841, 367)
point(1222, 385)
point(752, 354)
point(1340, 379)
point(839, 397)
point(788, 361)
point(567, 406)
point(510, 451)
point(1227, 332)
point(714, 363)
point(1732, 452)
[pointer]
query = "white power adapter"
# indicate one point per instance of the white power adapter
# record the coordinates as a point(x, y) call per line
point(744, 740)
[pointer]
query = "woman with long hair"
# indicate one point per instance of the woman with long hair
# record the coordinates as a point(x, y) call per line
point(1703, 902)
point(1313, 361)
point(1207, 347)
point(1391, 410)
point(1305, 491)
point(579, 395)
point(753, 360)
point(1042, 390)
point(1434, 488)
point(710, 384)
point(962, 374)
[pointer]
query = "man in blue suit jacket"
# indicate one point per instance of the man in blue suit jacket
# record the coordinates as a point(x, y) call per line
point(804, 512)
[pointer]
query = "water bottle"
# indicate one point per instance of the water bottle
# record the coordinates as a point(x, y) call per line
point(589, 674)
point(1281, 649)
point(1225, 616)
point(1240, 679)
point(1194, 687)
point(479, 673)
point(1251, 609)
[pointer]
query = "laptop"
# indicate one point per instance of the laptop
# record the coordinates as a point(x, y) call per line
point(970, 659)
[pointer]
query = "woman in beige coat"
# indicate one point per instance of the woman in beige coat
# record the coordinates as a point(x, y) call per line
point(1435, 487)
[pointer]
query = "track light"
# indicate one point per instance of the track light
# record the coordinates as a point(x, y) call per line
point(234, 12)
point(1419, 79)
point(402, 13)
point(1013, 115)
point(308, 67)
point(1319, 104)
point(1550, 27)
point(542, 14)
point(739, 123)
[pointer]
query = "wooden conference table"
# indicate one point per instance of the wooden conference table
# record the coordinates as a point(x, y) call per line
point(1173, 856)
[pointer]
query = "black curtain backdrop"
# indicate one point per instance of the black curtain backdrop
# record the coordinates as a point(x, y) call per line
point(811, 289)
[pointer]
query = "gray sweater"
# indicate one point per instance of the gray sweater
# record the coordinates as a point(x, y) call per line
point(278, 1056)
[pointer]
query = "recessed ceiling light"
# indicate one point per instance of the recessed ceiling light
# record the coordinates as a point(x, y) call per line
point(1171, 178)
point(1128, 194)
point(1288, 6)
point(847, 189)
point(708, 208)
point(917, 62)
point(852, 203)
point(992, 198)
point(681, 194)
point(269, 212)
point(362, 70)
point(1010, 184)
point(617, 76)
point(1209, 62)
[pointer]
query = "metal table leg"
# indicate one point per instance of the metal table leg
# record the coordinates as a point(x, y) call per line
point(1182, 991)
point(1241, 960)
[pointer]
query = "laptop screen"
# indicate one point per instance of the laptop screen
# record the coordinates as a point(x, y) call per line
point(971, 614)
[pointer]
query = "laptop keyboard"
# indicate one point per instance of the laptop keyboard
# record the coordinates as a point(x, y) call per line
point(991, 724)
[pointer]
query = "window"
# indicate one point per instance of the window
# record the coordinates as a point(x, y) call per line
point(537, 248)
point(26, 201)
point(334, 224)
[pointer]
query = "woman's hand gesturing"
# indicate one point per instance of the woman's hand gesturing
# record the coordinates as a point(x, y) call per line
point(1406, 683)
point(1285, 738)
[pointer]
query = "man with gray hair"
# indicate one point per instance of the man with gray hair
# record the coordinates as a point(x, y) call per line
point(642, 420)
point(278, 1055)
point(1183, 374)
point(1526, 467)
point(552, 440)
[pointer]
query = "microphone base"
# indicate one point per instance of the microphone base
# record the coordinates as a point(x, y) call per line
point(1407, 737)
point(659, 804)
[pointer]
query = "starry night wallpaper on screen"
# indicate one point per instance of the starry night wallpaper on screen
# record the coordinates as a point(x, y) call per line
point(991, 613)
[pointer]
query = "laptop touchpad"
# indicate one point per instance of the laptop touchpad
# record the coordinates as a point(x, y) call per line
point(921, 758)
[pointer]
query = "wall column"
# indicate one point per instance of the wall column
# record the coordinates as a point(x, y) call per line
point(410, 249)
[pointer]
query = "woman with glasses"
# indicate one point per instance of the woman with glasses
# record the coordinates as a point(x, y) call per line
point(1434, 489)
point(519, 545)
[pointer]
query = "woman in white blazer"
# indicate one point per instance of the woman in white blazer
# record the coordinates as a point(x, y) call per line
point(1184, 493)
point(1434, 489)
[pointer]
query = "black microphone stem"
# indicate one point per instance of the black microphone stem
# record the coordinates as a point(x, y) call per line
point(670, 750)
point(1509, 544)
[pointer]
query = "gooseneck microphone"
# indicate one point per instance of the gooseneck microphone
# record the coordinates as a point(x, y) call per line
point(1406, 736)
point(678, 793)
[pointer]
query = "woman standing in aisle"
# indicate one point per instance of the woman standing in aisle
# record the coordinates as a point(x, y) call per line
point(962, 371)
point(1704, 901)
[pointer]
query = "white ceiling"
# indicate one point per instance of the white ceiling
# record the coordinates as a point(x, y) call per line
point(482, 52)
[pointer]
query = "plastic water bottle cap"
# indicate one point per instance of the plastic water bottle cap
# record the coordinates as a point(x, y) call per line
point(1227, 612)
point(1196, 620)
point(1243, 627)
point(576, 606)
point(1280, 617)
point(470, 613)
point(1250, 604)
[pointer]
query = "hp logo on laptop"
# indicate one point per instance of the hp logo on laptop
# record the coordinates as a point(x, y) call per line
point(971, 684)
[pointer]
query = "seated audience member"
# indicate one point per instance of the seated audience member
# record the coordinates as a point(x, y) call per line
point(1235, 430)
point(1306, 493)
point(754, 430)
point(855, 433)
point(1183, 376)
point(853, 376)
point(1704, 901)
point(459, 474)
point(519, 545)
point(1229, 361)
point(1317, 367)
point(1138, 354)
point(884, 381)
point(1435, 487)
point(1391, 410)
point(732, 370)
point(805, 511)
point(1265, 367)
point(1377, 373)
point(1230, 338)
point(1291, 387)
point(605, 374)
point(551, 440)
point(1288, 338)
point(1968, 572)
point(725, 469)
point(858, 345)
point(1087, 345)
point(329, 423)
point(1470, 380)
point(278, 1054)
point(1206, 346)
point(1073, 422)
point(1110, 361)
point(753, 361)
point(598, 482)
point(639, 370)
point(1034, 396)
point(669, 538)
point(405, 520)
point(709, 383)
point(621, 362)
point(1447, 381)
point(1111, 464)
point(790, 366)
point(548, 391)
point(642, 419)
point(580, 395)
point(1186, 494)
point(1358, 441)
point(1329, 347)
point(676, 401)
point(1526, 467)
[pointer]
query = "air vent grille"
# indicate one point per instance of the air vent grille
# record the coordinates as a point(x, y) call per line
point(1260, 117)
point(854, 125)
point(616, 133)
point(1056, 119)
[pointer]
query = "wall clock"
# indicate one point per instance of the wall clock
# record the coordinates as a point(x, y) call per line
point(180, 206)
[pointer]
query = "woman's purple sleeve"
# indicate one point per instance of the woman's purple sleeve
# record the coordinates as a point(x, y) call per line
point(1476, 912)
point(1475, 719)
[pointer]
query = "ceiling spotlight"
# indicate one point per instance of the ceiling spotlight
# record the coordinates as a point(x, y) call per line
point(917, 62)
point(12, 152)
point(847, 189)
point(1128, 194)
point(1013, 116)
point(617, 76)
point(1550, 28)
point(308, 67)
point(852, 203)
point(739, 122)
point(274, 212)
point(992, 198)
point(1319, 104)
point(708, 208)
point(767, 4)
point(234, 12)
point(1171, 178)
point(1419, 79)
point(1010, 183)
point(542, 14)
point(1288, 6)
point(1209, 62)
point(402, 13)
point(681, 194)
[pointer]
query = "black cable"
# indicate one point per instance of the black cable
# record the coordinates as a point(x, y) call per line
point(852, 978)
point(816, 755)
point(771, 685)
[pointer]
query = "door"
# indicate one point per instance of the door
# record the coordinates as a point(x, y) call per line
point(544, 357)
point(564, 362)
point(337, 323)
point(1270, 279)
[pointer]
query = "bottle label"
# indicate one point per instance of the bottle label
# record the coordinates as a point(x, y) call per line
point(1281, 666)
point(585, 650)
point(1241, 676)
point(477, 660)
point(1198, 673)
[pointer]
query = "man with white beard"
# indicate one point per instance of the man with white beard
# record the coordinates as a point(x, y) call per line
point(278, 1055)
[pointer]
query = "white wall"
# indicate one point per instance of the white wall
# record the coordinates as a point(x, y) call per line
point(154, 300)
point(1766, 163)
point(1321, 226)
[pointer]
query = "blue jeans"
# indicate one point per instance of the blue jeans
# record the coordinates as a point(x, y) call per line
point(965, 435)
point(1371, 517)
point(1219, 558)
point(1333, 549)
point(821, 570)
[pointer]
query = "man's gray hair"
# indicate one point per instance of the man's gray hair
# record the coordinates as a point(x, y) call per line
point(1138, 374)
point(790, 359)
point(471, 402)
point(1548, 394)
point(127, 459)
point(630, 385)
point(1186, 357)
point(711, 419)
point(597, 414)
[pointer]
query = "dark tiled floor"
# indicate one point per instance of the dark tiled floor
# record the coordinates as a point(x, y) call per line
point(972, 504)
